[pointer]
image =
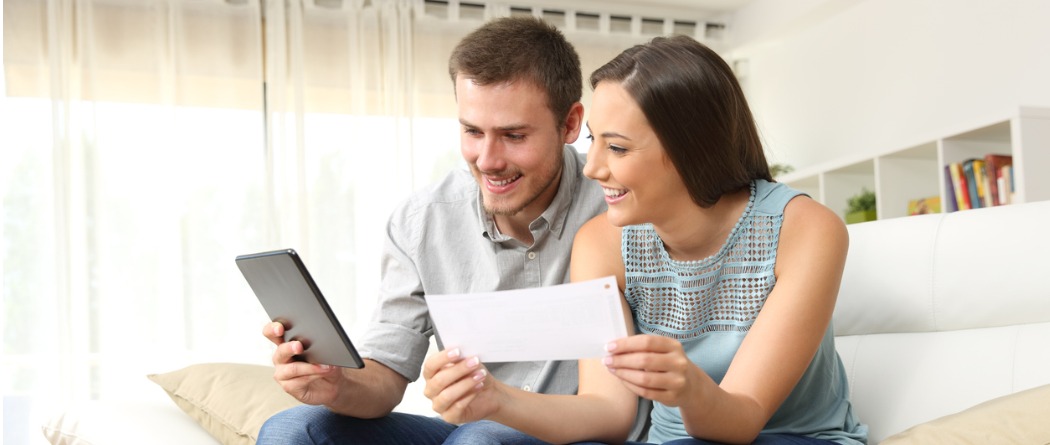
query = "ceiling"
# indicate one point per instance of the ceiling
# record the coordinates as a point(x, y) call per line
point(692, 9)
point(717, 6)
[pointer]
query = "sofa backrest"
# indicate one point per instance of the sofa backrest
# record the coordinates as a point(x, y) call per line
point(941, 272)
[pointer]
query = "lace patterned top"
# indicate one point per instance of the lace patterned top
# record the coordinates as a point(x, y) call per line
point(710, 304)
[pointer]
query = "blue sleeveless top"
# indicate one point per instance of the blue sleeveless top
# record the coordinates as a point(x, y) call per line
point(710, 304)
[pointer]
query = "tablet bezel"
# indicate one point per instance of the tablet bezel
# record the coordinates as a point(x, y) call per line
point(288, 293)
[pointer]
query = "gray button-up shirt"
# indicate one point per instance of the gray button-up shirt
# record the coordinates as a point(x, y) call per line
point(441, 241)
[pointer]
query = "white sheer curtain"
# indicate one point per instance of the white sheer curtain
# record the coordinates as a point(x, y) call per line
point(146, 143)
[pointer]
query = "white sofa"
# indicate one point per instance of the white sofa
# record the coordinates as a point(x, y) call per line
point(936, 314)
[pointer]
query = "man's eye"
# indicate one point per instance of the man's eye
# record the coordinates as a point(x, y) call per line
point(471, 131)
point(515, 136)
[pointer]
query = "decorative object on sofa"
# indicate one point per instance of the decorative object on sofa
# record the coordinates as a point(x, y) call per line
point(231, 401)
point(251, 397)
point(861, 207)
point(1016, 418)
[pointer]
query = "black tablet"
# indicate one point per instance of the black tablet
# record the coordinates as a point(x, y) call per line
point(289, 295)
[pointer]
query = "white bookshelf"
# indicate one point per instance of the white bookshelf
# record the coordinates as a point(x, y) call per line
point(900, 175)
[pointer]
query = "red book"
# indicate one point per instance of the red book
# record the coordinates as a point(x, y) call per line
point(993, 166)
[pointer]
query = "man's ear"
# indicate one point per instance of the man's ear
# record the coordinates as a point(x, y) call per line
point(573, 122)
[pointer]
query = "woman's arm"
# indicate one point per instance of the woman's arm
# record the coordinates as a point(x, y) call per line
point(787, 332)
point(774, 354)
point(603, 409)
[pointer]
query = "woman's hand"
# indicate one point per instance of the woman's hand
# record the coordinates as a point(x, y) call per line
point(460, 389)
point(654, 367)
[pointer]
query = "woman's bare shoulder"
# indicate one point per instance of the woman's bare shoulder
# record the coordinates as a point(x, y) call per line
point(596, 250)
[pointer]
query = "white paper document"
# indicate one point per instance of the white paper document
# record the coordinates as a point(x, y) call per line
point(563, 322)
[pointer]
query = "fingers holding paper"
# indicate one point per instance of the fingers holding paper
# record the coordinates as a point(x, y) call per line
point(653, 367)
point(460, 388)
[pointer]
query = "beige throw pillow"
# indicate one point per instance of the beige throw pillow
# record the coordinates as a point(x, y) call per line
point(231, 401)
point(1019, 418)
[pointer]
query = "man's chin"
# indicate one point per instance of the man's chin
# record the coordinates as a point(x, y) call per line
point(500, 208)
point(502, 211)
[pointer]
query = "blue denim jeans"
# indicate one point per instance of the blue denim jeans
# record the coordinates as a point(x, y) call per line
point(316, 425)
point(762, 439)
point(309, 425)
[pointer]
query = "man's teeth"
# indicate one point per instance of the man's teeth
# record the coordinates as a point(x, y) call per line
point(503, 182)
point(612, 193)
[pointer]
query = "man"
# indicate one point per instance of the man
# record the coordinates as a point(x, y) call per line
point(507, 223)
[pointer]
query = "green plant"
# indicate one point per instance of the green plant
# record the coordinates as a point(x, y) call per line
point(861, 202)
point(779, 169)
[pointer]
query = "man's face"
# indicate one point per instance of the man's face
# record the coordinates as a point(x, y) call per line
point(513, 145)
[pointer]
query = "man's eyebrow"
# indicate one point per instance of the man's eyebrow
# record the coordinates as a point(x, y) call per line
point(512, 127)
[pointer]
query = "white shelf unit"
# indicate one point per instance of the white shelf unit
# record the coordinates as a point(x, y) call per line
point(917, 171)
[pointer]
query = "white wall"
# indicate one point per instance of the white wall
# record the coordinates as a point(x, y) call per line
point(833, 79)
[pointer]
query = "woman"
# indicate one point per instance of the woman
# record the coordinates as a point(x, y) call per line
point(730, 278)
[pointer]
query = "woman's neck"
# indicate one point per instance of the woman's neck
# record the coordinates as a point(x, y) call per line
point(697, 233)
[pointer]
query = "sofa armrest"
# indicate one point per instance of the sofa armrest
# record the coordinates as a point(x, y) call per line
point(124, 422)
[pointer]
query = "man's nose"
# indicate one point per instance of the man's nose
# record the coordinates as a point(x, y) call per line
point(490, 155)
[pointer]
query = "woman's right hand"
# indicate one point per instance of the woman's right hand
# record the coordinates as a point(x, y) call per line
point(655, 368)
point(309, 383)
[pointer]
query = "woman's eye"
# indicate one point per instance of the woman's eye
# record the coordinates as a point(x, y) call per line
point(617, 149)
point(590, 137)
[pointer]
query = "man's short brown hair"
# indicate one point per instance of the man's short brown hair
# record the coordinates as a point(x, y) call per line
point(522, 49)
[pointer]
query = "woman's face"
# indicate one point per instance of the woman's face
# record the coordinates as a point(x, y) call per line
point(626, 157)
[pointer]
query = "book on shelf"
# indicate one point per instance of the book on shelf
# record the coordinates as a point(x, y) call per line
point(962, 189)
point(950, 204)
point(1006, 184)
point(971, 168)
point(924, 206)
point(974, 183)
point(993, 167)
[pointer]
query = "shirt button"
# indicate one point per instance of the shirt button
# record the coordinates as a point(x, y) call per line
point(527, 388)
point(532, 255)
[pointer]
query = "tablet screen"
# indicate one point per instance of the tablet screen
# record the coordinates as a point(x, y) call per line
point(289, 295)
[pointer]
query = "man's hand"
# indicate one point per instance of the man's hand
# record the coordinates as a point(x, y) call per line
point(460, 389)
point(309, 383)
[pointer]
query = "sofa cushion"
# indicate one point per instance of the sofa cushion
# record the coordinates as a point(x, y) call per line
point(231, 401)
point(900, 380)
point(1016, 418)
